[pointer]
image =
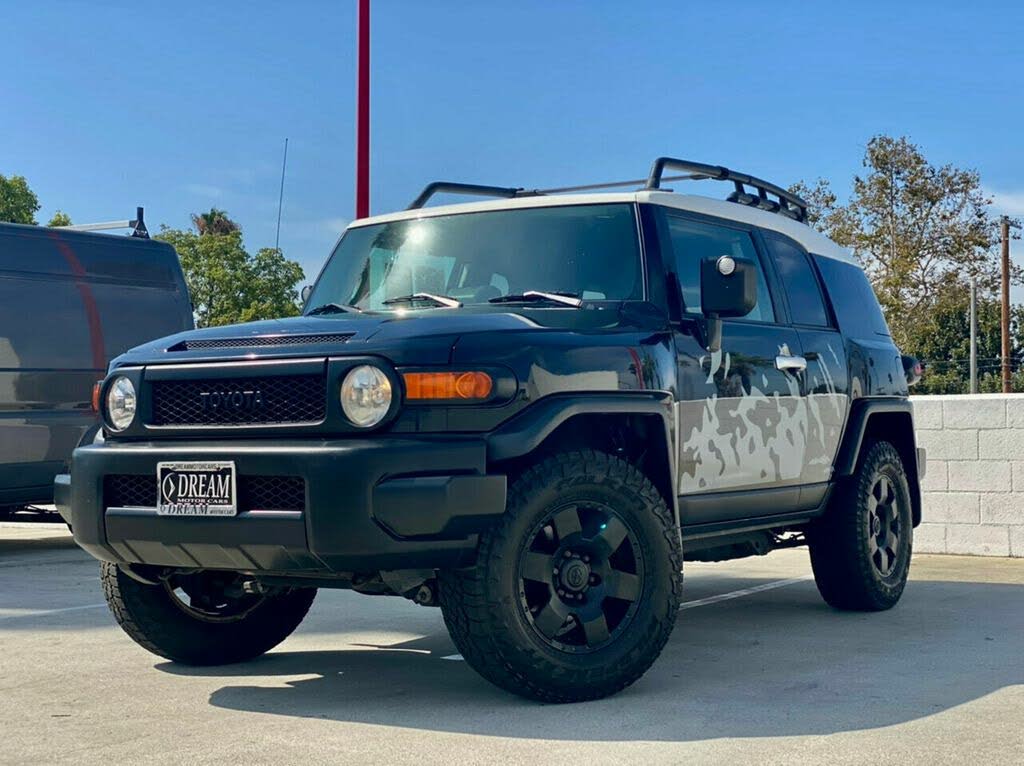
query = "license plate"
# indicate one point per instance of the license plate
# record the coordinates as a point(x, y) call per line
point(196, 489)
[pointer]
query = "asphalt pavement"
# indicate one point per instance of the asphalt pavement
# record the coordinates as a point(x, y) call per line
point(759, 670)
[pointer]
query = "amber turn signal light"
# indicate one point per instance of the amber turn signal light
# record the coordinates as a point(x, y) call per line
point(96, 388)
point(447, 385)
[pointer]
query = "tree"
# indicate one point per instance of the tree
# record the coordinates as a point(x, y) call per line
point(942, 341)
point(18, 203)
point(60, 218)
point(273, 293)
point(226, 283)
point(214, 222)
point(920, 231)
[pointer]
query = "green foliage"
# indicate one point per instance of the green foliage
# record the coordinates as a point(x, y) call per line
point(18, 203)
point(921, 231)
point(272, 289)
point(60, 218)
point(228, 284)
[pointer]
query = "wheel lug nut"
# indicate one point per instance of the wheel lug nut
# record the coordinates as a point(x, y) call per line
point(556, 570)
point(568, 554)
point(586, 559)
point(561, 592)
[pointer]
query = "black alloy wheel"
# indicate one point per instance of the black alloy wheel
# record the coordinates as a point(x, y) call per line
point(581, 576)
point(212, 596)
point(884, 520)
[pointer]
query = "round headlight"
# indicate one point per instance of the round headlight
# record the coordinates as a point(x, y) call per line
point(120, 403)
point(366, 395)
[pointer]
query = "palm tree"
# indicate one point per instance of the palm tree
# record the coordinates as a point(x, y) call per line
point(214, 222)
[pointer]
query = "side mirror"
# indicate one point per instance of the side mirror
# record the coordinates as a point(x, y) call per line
point(305, 293)
point(728, 288)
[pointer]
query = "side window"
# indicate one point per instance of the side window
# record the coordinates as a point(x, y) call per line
point(805, 301)
point(855, 304)
point(692, 242)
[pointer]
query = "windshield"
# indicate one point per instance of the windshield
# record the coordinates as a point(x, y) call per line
point(590, 251)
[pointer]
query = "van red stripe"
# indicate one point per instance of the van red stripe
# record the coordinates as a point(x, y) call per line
point(92, 312)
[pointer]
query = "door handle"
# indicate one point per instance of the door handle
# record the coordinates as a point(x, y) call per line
point(790, 363)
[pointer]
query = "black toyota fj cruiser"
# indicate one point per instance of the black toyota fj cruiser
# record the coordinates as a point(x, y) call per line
point(528, 411)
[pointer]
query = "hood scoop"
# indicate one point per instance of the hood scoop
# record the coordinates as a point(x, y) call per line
point(259, 341)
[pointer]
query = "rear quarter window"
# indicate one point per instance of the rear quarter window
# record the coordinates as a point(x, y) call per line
point(805, 303)
point(854, 302)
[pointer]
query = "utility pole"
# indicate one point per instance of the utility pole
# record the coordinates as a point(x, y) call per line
point(363, 109)
point(974, 335)
point(1004, 226)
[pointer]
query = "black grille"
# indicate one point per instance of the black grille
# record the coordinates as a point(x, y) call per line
point(255, 493)
point(123, 491)
point(267, 340)
point(271, 493)
point(242, 401)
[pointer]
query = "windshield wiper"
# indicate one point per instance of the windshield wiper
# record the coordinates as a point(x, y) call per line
point(438, 300)
point(333, 308)
point(566, 299)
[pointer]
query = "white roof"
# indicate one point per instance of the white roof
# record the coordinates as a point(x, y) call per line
point(812, 241)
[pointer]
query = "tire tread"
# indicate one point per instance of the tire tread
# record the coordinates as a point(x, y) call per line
point(146, 614)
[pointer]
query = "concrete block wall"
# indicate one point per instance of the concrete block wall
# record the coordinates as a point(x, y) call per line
point(973, 490)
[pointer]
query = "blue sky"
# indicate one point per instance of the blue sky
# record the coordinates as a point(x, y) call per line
point(180, 106)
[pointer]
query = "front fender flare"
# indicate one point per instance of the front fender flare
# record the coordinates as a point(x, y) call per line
point(526, 431)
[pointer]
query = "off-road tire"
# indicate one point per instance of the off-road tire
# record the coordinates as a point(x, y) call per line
point(840, 545)
point(482, 606)
point(148, 614)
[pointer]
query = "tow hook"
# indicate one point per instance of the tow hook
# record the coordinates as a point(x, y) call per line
point(426, 594)
point(253, 587)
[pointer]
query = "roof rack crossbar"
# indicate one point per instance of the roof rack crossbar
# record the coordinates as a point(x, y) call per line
point(476, 190)
point(636, 182)
point(138, 225)
point(793, 205)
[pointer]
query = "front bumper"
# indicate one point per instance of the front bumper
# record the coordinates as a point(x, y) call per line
point(370, 504)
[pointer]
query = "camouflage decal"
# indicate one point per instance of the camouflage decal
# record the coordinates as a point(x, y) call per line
point(743, 436)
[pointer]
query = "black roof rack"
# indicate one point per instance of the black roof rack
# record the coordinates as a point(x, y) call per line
point(786, 203)
point(137, 225)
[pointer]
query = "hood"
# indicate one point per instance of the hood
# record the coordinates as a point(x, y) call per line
point(413, 338)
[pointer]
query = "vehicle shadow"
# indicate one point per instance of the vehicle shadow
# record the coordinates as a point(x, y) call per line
point(781, 663)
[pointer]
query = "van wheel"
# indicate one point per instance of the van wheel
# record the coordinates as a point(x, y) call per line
point(203, 618)
point(860, 550)
point(576, 590)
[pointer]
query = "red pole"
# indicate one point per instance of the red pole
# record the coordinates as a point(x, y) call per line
point(363, 110)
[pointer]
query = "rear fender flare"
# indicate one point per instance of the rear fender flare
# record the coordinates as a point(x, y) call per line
point(865, 418)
